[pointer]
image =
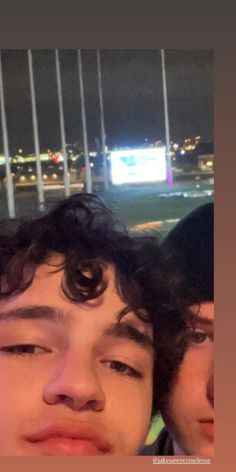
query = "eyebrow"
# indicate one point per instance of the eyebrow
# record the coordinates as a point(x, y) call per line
point(198, 319)
point(122, 329)
point(34, 313)
point(125, 330)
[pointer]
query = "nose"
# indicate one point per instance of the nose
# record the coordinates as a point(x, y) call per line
point(210, 385)
point(75, 384)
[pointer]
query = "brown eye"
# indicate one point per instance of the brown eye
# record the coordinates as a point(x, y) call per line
point(120, 367)
point(199, 337)
point(123, 369)
point(22, 349)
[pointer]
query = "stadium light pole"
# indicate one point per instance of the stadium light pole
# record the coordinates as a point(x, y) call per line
point(103, 133)
point(62, 126)
point(10, 189)
point(41, 201)
point(84, 125)
point(167, 129)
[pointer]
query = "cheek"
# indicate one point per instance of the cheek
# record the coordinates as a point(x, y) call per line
point(18, 402)
point(187, 390)
point(128, 411)
point(191, 374)
point(20, 389)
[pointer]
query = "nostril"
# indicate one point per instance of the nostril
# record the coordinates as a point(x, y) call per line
point(210, 396)
point(210, 390)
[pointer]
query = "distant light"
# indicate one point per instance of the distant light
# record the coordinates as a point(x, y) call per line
point(22, 178)
point(54, 176)
point(20, 151)
point(45, 177)
point(44, 157)
point(91, 164)
point(32, 177)
point(182, 151)
point(209, 164)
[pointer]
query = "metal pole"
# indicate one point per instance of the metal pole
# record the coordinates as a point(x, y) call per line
point(10, 189)
point(41, 202)
point(85, 138)
point(103, 133)
point(62, 127)
point(168, 161)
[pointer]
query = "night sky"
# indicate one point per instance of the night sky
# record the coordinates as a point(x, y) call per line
point(132, 91)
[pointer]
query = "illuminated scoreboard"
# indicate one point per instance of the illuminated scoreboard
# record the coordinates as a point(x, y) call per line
point(138, 165)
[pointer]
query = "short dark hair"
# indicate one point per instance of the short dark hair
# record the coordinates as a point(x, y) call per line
point(191, 245)
point(90, 236)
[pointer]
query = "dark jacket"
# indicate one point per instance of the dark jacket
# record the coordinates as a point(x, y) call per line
point(162, 446)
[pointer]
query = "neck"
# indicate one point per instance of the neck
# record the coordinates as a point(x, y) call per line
point(177, 450)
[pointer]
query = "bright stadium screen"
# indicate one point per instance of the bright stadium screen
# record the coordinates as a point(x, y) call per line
point(138, 165)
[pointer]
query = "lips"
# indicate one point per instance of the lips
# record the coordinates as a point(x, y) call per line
point(207, 427)
point(74, 439)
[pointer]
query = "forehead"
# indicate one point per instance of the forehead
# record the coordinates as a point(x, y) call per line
point(46, 290)
point(49, 277)
point(47, 285)
point(206, 310)
point(203, 315)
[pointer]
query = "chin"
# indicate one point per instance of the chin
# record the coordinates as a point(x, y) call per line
point(208, 451)
point(203, 451)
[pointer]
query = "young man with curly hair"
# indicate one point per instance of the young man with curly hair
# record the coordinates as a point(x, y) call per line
point(82, 305)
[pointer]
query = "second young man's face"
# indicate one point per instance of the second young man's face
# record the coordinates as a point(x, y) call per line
point(72, 382)
point(190, 413)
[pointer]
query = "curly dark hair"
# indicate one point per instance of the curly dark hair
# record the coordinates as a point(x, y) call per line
point(90, 236)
